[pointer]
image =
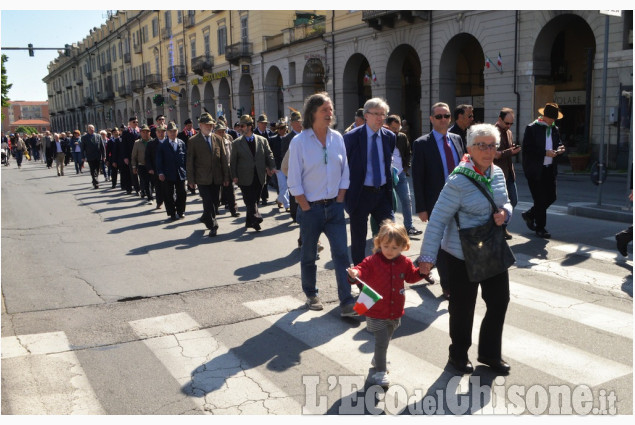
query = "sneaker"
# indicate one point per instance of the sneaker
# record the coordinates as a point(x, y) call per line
point(414, 231)
point(314, 303)
point(372, 363)
point(381, 379)
point(347, 311)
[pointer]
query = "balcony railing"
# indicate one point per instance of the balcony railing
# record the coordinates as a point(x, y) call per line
point(124, 91)
point(105, 96)
point(68, 84)
point(177, 71)
point(154, 80)
point(274, 41)
point(201, 64)
point(89, 75)
point(137, 85)
point(235, 52)
point(88, 101)
point(166, 33)
point(51, 93)
point(380, 18)
point(189, 21)
point(136, 48)
point(58, 90)
point(126, 57)
point(79, 81)
point(105, 67)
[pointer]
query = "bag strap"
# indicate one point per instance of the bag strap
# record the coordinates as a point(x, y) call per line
point(479, 187)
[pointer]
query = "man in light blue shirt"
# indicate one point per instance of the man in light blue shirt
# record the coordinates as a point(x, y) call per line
point(318, 178)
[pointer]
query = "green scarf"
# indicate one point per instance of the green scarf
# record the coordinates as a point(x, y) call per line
point(468, 168)
point(539, 121)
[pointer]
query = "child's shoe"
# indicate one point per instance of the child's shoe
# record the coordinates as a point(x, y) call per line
point(381, 379)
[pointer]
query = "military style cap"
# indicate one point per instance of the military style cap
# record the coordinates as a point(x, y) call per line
point(206, 118)
point(145, 127)
point(262, 118)
point(220, 126)
point(161, 127)
point(246, 119)
point(114, 129)
point(296, 116)
point(282, 123)
point(172, 126)
point(360, 113)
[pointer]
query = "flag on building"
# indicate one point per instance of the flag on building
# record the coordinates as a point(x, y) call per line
point(488, 62)
point(374, 77)
point(367, 298)
point(500, 61)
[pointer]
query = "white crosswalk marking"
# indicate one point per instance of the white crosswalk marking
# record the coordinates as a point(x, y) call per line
point(228, 387)
point(592, 252)
point(45, 377)
point(553, 209)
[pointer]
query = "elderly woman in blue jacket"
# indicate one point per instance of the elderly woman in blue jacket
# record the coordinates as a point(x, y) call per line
point(474, 209)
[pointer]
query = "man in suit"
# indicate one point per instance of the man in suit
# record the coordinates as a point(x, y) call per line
point(138, 162)
point(160, 120)
point(128, 137)
point(262, 130)
point(463, 119)
point(541, 146)
point(151, 162)
point(251, 160)
point(228, 194)
point(369, 150)
point(171, 165)
point(359, 120)
point(207, 167)
point(434, 157)
point(112, 152)
point(93, 150)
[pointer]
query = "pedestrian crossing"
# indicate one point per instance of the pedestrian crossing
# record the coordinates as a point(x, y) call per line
point(289, 360)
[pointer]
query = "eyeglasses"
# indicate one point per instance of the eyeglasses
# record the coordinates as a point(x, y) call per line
point(326, 155)
point(441, 116)
point(161, 119)
point(509, 124)
point(485, 146)
point(378, 114)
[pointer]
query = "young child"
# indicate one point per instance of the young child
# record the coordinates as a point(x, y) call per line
point(385, 271)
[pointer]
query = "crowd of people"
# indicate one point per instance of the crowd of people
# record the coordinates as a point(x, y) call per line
point(318, 174)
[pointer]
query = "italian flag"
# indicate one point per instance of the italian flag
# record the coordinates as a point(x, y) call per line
point(367, 298)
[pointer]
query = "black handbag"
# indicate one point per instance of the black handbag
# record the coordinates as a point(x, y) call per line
point(485, 249)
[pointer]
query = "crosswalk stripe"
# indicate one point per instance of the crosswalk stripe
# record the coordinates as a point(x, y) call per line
point(553, 209)
point(336, 340)
point(558, 359)
point(588, 314)
point(592, 252)
point(551, 268)
point(230, 387)
point(36, 362)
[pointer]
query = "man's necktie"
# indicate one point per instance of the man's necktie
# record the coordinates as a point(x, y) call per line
point(375, 162)
point(208, 142)
point(449, 156)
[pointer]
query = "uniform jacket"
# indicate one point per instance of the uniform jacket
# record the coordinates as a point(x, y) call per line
point(387, 278)
point(534, 142)
point(275, 143)
point(171, 163)
point(356, 142)
point(151, 154)
point(112, 150)
point(207, 165)
point(138, 156)
point(128, 137)
point(428, 176)
point(242, 162)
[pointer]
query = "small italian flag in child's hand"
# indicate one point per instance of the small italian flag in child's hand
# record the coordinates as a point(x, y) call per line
point(367, 298)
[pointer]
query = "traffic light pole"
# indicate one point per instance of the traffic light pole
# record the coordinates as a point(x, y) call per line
point(31, 49)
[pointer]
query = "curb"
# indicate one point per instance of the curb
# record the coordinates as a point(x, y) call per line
point(603, 212)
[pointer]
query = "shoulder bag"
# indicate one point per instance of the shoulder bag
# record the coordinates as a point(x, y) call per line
point(485, 249)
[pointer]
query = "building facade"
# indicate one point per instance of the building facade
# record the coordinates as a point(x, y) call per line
point(25, 113)
point(180, 63)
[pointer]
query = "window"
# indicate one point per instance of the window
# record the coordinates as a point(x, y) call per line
point(179, 17)
point(168, 18)
point(155, 27)
point(206, 43)
point(181, 55)
point(193, 46)
point(222, 40)
point(156, 63)
point(244, 35)
point(145, 33)
point(114, 53)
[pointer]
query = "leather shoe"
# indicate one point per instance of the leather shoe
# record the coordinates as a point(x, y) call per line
point(508, 235)
point(213, 232)
point(543, 233)
point(257, 227)
point(463, 366)
point(497, 365)
point(235, 214)
point(529, 221)
point(622, 242)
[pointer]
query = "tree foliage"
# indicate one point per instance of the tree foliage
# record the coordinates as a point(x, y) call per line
point(26, 129)
point(5, 87)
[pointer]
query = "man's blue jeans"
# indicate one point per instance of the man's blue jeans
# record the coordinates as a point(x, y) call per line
point(403, 192)
point(512, 192)
point(327, 219)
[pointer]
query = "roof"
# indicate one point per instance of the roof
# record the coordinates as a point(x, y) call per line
point(28, 102)
point(30, 122)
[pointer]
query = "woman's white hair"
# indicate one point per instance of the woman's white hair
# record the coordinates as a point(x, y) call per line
point(482, 130)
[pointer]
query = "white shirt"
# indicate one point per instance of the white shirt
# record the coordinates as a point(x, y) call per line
point(548, 146)
point(310, 174)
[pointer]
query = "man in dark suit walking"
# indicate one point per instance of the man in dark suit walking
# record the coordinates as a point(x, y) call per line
point(170, 165)
point(128, 136)
point(434, 157)
point(262, 130)
point(369, 150)
point(207, 167)
point(93, 150)
point(541, 146)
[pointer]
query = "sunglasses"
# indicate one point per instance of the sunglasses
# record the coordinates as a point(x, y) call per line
point(440, 116)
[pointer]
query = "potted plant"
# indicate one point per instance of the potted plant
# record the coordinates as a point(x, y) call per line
point(580, 156)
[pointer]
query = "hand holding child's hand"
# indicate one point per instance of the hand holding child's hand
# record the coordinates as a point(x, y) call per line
point(352, 273)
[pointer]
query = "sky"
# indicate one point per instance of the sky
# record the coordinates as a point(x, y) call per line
point(18, 28)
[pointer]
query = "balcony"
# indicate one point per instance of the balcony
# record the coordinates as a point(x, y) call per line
point(238, 51)
point(166, 33)
point(378, 19)
point(126, 57)
point(189, 21)
point(154, 81)
point(106, 96)
point(79, 81)
point(68, 84)
point(71, 108)
point(136, 48)
point(51, 92)
point(137, 85)
point(58, 90)
point(88, 101)
point(201, 64)
point(274, 41)
point(124, 91)
point(105, 68)
point(176, 72)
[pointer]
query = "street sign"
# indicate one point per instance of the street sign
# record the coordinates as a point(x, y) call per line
point(174, 92)
point(617, 13)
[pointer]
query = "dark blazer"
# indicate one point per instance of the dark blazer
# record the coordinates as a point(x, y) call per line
point(533, 149)
point(128, 137)
point(428, 177)
point(93, 147)
point(171, 163)
point(112, 150)
point(207, 165)
point(286, 141)
point(243, 163)
point(275, 144)
point(356, 142)
point(151, 154)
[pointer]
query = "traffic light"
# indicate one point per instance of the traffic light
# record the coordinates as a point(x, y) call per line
point(67, 50)
point(31, 50)
point(240, 111)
